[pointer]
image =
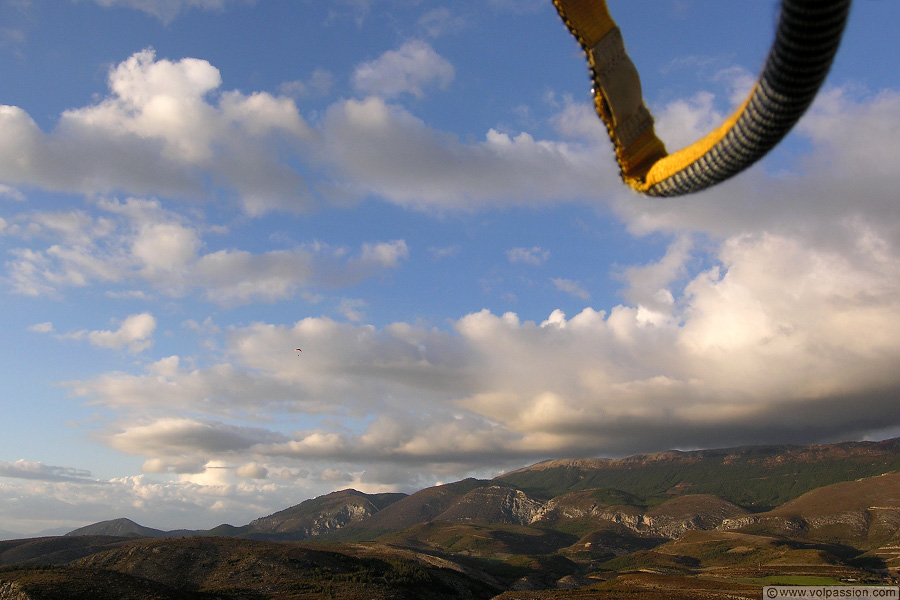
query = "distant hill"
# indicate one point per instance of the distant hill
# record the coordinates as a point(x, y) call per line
point(758, 478)
point(9, 535)
point(118, 528)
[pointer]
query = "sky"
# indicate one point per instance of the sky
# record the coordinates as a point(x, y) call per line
point(418, 195)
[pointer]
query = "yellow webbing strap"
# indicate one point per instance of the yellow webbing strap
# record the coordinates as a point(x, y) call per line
point(617, 88)
point(808, 35)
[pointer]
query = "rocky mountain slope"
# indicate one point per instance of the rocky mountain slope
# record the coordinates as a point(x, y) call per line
point(319, 516)
point(481, 537)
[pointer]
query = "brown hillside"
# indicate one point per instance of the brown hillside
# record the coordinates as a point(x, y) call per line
point(497, 541)
point(421, 507)
point(863, 513)
point(54, 550)
point(64, 583)
point(673, 518)
point(493, 504)
point(588, 510)
point(232, 569)
point(319, 516)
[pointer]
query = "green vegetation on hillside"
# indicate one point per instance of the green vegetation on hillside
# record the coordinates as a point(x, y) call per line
point(756, 478)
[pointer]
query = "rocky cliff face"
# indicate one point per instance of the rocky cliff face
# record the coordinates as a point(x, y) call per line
point(494, 504)
point(670, 520)
point(315, 518)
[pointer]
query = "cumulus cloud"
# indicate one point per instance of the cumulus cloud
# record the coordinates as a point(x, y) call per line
point(385, 254)
point(383, 149)
point(252, 471)
point(135, 333)
point(138, 242)
point(166, 129)
point(776, 334)
point(648, 285)
point(159, 132)
point(407, 70)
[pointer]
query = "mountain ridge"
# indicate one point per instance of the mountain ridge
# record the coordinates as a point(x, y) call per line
point(755, 477)
point(647, 489)
point(650, 523)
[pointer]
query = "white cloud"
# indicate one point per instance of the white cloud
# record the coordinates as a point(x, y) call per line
point(167, 10)
point(159, 132)
point(385, 254)
point(530, 256)
point(22, 469)
point(252, 471)
point(11, 193)
point(384, 150)
point(319, 84)
point(135, 333)
point(213, 496)
point(352, 309)
point(777, 333)
point(441, 21)
point(46, 327)
point(166, 129)
point(648, 284)
point(571, 287)
point(138, 242)
point(407, 70)
point(178, 437)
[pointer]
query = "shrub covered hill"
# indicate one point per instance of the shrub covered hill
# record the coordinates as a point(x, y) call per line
point(701, 524)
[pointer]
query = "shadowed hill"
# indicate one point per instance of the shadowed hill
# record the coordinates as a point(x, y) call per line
point(66, 583)
point(421, 507)
point(237, 568)
point(118, 528)
point(54, 550)
point(319, 516)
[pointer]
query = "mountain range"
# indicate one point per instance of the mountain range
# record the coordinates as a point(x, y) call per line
point(607, 527)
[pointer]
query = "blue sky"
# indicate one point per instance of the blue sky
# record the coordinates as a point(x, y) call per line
point(419, 196)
